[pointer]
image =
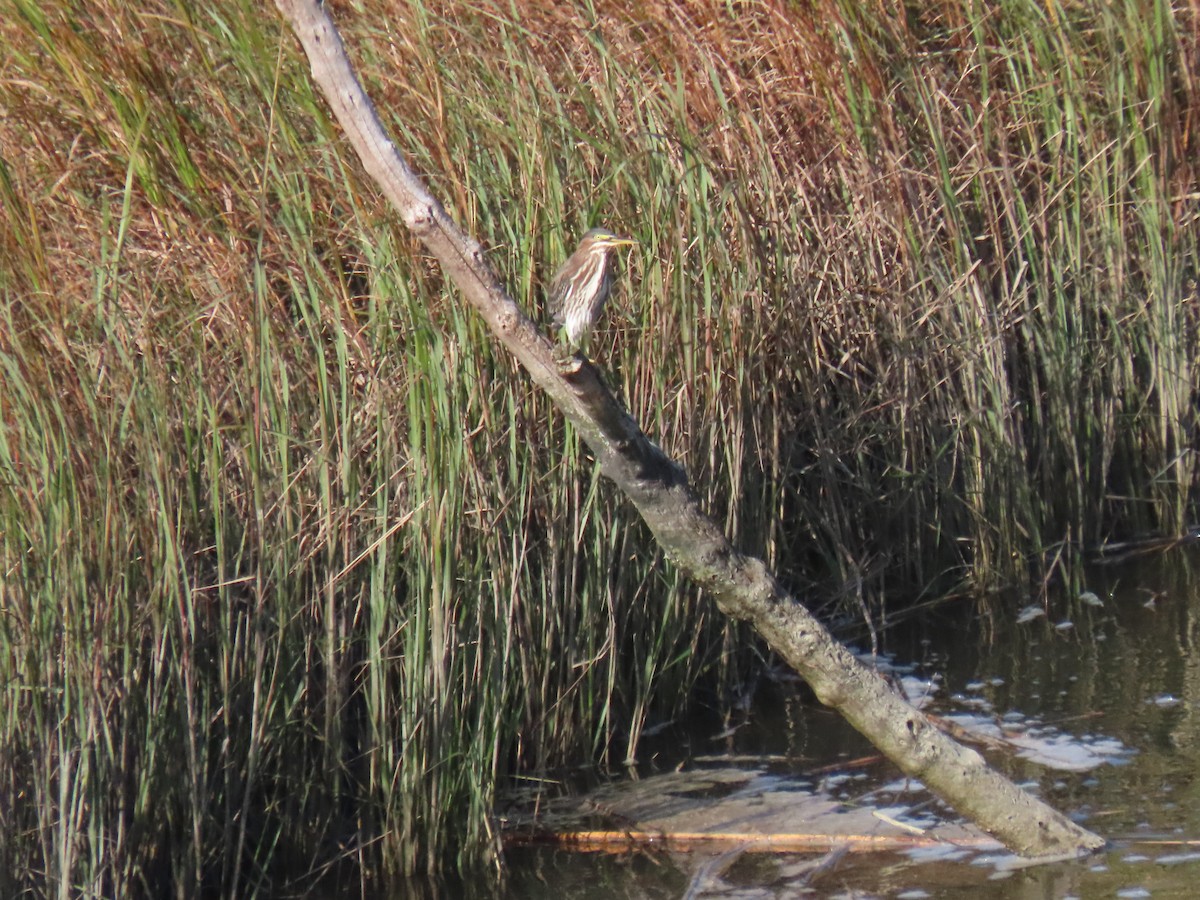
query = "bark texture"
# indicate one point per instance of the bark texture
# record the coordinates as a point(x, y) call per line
point(658, 487)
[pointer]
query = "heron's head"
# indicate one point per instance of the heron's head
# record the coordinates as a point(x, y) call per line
point(603, 240)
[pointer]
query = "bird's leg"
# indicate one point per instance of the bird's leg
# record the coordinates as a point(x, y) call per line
point(563, 351)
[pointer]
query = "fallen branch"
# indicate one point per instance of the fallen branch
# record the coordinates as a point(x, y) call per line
point(686, 842)
point(658, 487)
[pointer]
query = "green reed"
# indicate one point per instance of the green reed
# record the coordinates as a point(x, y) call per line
point(296, 565)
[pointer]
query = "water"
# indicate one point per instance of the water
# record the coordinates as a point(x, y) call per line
point(1102, 700)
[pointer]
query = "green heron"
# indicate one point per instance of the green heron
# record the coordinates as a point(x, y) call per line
point(582, 285)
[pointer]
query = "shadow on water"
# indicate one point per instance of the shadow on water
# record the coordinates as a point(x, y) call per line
point(1095, 698)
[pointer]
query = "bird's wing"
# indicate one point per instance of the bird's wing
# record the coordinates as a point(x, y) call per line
point(557, 294)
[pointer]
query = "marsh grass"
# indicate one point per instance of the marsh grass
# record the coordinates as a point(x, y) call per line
point(295, 569)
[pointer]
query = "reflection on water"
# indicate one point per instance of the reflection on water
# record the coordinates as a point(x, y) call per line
point(1099, 695)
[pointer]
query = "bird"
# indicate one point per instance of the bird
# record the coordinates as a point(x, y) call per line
point(582, 285)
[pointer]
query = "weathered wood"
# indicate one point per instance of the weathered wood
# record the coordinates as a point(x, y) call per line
point(658, 487)
point(750, 842)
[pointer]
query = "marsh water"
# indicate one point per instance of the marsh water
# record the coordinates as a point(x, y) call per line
point(1099, 691)
point(1095, 694)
